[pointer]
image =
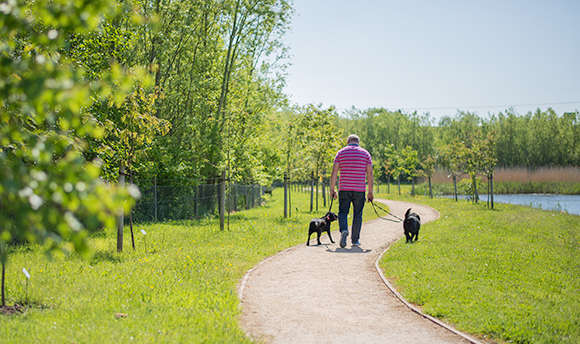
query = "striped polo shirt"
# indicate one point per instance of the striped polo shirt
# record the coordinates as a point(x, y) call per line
point(352, 162)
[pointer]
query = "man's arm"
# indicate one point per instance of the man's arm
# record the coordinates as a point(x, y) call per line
point(370, 195)
point(333, 180)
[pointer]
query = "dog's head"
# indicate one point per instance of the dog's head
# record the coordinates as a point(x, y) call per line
point(330, 216)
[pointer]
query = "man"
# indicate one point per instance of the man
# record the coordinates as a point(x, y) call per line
point(355, 164)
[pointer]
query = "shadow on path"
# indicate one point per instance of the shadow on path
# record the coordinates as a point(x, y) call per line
point(349, 250)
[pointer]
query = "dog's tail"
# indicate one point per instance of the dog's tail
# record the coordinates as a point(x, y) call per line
point(407, 213)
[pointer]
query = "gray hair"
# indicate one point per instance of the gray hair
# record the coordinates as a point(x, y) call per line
point(352, 138)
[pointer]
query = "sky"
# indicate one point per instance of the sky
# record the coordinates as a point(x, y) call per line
point(435, 56)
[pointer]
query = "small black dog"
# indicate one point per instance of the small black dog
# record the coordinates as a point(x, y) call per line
point(321, 224)
point(411, 224)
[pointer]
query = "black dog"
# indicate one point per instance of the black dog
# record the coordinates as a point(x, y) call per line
point(411, 224)
point(321, 224)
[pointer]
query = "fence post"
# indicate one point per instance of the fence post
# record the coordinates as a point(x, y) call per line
point(290, 201)
point(285, 195)
point(247, 187)
point(155, 197)
point(317, 181)
point(120, 219)
point(311, 191)
point(491, 182)
point(323, 190)
point(222, 199)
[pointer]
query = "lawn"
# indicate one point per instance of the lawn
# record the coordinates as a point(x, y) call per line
point(179, 286)
point(511, 274)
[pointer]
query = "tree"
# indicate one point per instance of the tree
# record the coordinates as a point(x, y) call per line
point(321, 137)
point(473, 165)
point(428, 167)
point(49, 193)
point(390, 164)
point(410, 165)
point(488, 163)
point(452, 158)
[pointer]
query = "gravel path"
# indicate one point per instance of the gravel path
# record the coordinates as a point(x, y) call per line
point(325, 294)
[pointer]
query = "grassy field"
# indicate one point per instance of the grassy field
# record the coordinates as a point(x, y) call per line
point(512, 274)
point(181, 288)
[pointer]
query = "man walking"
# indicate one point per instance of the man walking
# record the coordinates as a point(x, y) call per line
point(355, 164)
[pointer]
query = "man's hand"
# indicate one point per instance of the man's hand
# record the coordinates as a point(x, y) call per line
point(333, 194)
point(370, 196)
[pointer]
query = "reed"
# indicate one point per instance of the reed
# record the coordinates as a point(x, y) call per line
point(570, 174)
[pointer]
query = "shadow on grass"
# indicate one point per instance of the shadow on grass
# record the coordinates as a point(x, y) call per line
point(105, 256)
point(21, 307)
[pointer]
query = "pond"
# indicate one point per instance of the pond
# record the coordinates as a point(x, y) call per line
point(568, 203)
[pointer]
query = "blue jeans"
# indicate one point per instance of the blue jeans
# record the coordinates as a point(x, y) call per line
point(358, 202)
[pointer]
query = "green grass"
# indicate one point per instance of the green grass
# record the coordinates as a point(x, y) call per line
point(512, 274)
point(181, 289)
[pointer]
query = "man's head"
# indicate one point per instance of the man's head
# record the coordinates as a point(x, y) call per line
point(352, 138)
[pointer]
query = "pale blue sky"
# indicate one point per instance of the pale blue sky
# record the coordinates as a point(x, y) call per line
point(435, 53)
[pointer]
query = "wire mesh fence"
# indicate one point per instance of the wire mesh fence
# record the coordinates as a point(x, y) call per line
point(182, 202)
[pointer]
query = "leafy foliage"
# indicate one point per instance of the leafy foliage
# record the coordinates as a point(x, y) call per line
point(48, 192)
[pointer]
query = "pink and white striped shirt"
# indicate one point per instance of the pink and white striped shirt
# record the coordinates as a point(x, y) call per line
point(352, 162)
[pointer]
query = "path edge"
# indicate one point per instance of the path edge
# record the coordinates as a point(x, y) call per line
point(413, 308)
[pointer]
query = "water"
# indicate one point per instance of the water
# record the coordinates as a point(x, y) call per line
point(567, 203)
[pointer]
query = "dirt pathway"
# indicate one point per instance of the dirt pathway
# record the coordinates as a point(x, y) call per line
point(325, 294)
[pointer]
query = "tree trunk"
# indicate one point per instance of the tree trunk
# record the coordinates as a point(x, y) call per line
point(389, 184)
point(120, 218)
point(455, 187)
point(413, 186)
point(3, 281)
point(399, 184)
point(430, 189)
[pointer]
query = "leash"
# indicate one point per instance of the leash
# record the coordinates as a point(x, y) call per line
point(331, 200)
point(386, 211)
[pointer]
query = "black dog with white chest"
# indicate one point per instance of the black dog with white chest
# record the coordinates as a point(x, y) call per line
point(411, 224)
point(321, 225)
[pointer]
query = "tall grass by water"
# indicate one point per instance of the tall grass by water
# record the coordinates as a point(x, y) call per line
point(511, 274)
point(557, 180)
point(178, 287)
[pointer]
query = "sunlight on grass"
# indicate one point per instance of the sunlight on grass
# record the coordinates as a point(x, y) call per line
point(182, 290)
point(509, 274)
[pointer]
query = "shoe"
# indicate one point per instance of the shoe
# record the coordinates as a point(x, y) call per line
point(343, 236)
point(356, 244)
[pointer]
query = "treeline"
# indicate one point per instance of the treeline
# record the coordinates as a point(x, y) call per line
point(203, 74)
point(535, 139)
point(97, 93)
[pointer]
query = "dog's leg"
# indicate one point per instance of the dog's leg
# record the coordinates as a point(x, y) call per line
point(409, 238)
point(417, 236)
point(308, 241)
point(330, 236)
point(318, 238)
